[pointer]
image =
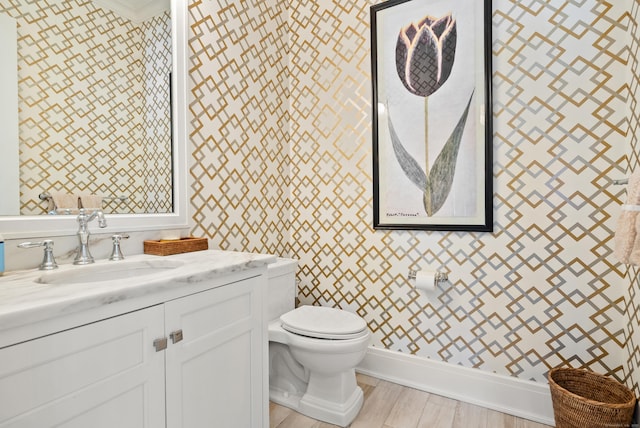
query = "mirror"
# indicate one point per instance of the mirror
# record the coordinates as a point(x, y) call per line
point(93, 103)
point(55, 117)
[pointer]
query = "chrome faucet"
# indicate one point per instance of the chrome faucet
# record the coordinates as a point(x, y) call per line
point(83, 256)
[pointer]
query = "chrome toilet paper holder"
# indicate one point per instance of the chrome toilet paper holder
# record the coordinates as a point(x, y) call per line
point(439, 277)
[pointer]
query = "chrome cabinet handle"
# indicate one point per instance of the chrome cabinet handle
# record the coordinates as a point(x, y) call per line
point(160, 344)
point(176, 336)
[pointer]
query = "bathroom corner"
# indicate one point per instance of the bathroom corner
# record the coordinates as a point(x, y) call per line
point(543, 290)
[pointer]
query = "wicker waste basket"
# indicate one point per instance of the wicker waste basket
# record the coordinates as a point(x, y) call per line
point(583, 399)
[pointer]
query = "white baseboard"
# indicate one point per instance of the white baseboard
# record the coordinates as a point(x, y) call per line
point(524, 399)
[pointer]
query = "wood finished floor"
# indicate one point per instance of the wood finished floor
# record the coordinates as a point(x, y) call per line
point(388, 405)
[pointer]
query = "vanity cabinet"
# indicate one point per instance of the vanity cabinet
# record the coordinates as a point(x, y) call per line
point(192, 361)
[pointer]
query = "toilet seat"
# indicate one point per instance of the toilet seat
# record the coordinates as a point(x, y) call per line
point(324, 323)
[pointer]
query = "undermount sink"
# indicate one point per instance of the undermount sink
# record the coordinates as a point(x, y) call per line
point(108, 272)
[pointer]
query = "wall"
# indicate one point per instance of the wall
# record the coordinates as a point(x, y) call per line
point(77, 63)
point(542, 290)
point(239, 172)
point(632, 309)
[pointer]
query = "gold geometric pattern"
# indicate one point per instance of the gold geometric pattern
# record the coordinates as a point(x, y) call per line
point(240, 131)
point(81, 129)
point(632, 273)
point(281, 163)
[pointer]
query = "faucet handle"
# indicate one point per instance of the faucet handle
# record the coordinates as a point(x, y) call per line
point(116, 253)
point(48, 261)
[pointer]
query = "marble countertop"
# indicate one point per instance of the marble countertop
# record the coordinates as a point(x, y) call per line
point(24, 299)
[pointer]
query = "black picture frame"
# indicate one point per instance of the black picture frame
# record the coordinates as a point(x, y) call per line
point(431, 69)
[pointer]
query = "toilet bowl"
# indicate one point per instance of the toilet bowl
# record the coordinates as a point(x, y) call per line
point(313, 352)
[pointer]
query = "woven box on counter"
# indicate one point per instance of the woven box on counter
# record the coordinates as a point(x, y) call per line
point(175, 246)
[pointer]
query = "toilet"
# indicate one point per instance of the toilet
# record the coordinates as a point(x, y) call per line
point(313, 352)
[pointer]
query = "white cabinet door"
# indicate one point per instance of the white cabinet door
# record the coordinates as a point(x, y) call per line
point(101, 375)
point(215, 372)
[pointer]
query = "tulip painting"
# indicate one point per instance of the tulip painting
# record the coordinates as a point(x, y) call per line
point(425, 56)
point(431, 81)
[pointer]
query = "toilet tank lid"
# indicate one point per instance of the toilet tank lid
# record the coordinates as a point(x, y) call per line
point(322, 322)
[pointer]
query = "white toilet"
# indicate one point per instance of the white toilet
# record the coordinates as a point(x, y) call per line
point(313, 351)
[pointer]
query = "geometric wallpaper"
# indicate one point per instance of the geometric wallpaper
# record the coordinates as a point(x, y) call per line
point(239, 177)
point(632, 273)
point(153, 192)
point(281, 162)
point(94, 105)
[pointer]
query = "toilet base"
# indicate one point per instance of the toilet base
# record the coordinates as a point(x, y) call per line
point(341, 414)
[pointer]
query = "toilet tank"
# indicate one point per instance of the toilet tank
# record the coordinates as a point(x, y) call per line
point(281, 287)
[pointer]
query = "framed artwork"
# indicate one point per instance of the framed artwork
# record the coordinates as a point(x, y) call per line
point(432, 135)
